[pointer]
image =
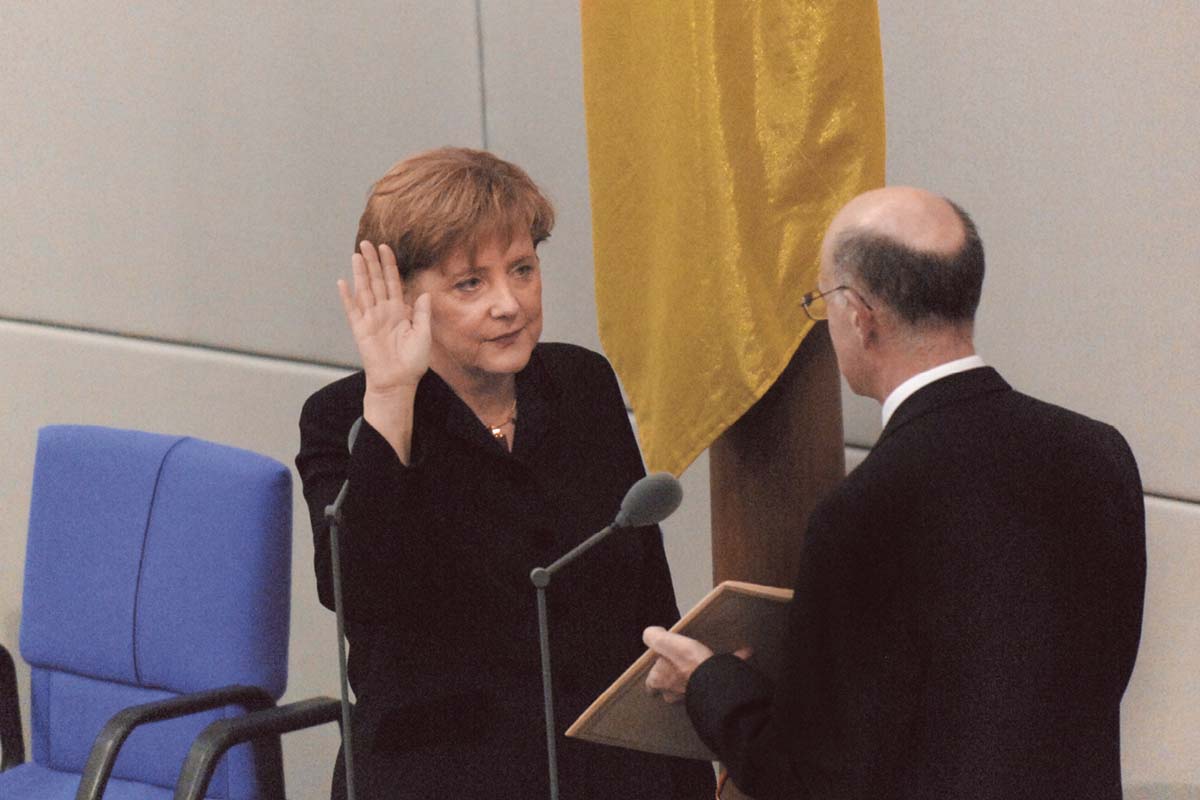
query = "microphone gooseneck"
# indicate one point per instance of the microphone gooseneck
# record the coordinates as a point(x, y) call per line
point(648, 502)
point(333, 513)
point(352, 436)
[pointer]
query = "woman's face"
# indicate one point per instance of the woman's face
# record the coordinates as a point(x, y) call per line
point(486, 312)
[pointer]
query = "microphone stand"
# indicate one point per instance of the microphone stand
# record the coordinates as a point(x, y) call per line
point(333, 513)
point(648, 502)
point(540, 577)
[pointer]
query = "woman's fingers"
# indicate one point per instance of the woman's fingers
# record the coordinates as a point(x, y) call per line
point(374, 271)
point(348, 305)
point(377, 283)
point(420, 314)
point(362, 284)
point(391, 272)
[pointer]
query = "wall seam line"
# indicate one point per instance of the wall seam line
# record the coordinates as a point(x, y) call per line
point(166, 340)
point(483, 107)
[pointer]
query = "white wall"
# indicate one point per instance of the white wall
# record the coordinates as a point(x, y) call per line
point(180, 185)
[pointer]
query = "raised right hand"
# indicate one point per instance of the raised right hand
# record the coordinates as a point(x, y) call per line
point(392, 336)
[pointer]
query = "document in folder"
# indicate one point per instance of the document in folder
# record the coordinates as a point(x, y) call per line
point(732, 615)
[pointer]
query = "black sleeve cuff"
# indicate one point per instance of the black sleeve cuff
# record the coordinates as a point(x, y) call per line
point(725, 696)
point(373, 460)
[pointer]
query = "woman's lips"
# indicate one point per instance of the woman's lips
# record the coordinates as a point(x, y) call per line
point(507, 338)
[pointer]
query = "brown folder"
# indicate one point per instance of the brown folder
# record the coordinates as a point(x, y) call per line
point(732, 615)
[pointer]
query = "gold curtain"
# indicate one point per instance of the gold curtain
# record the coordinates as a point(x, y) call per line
point(723, 135)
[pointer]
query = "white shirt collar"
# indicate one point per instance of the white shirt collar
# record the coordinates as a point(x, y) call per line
point(922, 379)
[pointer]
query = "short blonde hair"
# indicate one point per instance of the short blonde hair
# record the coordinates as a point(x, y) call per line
point(435, 203)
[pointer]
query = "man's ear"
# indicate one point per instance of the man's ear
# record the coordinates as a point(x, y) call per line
point(865, 325)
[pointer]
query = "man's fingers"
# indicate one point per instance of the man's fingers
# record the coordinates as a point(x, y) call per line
point(652, 635)
point(665, 643)
point(658, 678)
point(664, 680)
point(679, 649)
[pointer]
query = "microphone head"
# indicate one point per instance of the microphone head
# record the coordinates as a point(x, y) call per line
point(649, 501)
point(353, 435)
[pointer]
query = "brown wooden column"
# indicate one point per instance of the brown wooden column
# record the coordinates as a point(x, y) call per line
point(768, 471)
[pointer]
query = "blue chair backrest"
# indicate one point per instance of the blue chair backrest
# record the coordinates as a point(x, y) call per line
point(155, 565)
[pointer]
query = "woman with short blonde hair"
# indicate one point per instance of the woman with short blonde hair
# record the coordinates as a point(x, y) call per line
point(483, 453)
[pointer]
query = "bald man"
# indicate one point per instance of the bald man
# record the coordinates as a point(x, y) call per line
point(969, 600)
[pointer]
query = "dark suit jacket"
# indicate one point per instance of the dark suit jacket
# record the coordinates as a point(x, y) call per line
point(966, 616)
point(441, 613)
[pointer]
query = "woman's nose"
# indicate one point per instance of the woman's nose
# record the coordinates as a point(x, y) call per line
point(504, 301)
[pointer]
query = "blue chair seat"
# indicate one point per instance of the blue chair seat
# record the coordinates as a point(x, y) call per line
point(156, 567)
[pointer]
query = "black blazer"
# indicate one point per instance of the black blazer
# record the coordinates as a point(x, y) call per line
point(436, 557)
point(966, 617)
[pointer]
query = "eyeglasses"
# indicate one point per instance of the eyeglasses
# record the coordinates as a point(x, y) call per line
point(818, 309)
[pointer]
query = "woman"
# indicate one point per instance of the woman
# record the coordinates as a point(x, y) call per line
point(482, 454)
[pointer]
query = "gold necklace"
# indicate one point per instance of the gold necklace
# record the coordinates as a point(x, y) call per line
point(498, 429)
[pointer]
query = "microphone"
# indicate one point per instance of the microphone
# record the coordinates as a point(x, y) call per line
point(648, 502)
point(333, 513)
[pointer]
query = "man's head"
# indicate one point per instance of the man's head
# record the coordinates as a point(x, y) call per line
point(913, 265)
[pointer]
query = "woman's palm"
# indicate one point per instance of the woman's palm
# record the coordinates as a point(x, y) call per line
point(393, 337)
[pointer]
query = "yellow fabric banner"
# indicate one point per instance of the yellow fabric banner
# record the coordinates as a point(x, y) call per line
point(723, 135)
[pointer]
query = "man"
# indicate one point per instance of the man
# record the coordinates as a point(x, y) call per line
point(969, 600)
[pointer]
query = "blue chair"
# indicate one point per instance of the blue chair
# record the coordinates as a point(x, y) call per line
point(156, 605)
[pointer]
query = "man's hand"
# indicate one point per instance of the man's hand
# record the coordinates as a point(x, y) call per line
point(678, 657)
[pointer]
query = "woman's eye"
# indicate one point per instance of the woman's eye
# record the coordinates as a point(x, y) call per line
point(523, 269)
point(468, 284)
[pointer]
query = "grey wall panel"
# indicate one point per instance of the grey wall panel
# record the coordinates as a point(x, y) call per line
point(535, 117)
point(687, 537)
point(1070, 137)
point(55, 377)
point(196, 172)
point(1160, 715)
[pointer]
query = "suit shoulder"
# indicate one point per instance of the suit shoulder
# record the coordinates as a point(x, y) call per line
point(1065, 422)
